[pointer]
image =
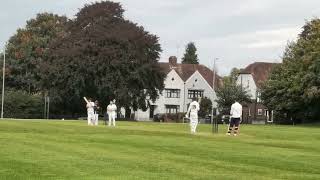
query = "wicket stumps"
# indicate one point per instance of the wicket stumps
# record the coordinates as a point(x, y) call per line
point(215, 127)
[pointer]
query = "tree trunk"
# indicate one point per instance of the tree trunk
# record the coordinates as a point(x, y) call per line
point(128, 113)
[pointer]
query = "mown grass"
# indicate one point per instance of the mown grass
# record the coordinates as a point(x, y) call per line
point(41, 149)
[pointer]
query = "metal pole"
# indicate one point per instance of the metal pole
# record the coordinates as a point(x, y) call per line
point(217, 126)
point(213, 79)
point(214, 72)
point(184, 95)
point(214, 122)
point(48, 107)
point(45, 107)
point(3, 77)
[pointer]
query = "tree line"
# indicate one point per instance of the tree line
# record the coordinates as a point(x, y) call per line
point(98, 54)
point(103, 55)
point(293, 88)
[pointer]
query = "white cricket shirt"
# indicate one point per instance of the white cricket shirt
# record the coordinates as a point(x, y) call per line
point(236, 110)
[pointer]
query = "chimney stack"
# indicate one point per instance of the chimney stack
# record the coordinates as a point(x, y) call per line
point(173, 60)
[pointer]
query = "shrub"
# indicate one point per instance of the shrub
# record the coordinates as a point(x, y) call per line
point(20, 104)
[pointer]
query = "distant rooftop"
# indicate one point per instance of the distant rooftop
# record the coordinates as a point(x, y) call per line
point(259, 70)
point(186, 70)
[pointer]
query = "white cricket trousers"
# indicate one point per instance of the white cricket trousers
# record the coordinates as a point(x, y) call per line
point(112, 119)
point(193, 122)
point(96, 119)
point(91, 117)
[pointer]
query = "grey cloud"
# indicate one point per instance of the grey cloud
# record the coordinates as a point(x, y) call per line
point(238, 32)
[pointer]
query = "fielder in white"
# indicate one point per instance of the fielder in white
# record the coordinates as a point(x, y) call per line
point(90, 111)
point(193, 109)
point(111, 109)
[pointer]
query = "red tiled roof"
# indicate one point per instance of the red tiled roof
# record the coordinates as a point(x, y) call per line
point(186, 70)
point(260, 71)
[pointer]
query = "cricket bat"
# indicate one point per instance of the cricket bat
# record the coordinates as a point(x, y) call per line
point(86, 100)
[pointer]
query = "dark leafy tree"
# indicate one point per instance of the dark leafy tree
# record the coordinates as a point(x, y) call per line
point(205, 107)
point(234, 74)
point(104, 56)
point(190, 56)
point(20, 104)
point(28, 47)
point(293, 88)
point(230, 92)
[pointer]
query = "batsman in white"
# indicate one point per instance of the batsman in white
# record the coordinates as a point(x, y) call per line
point(193, 109)
point(111, 109)
point(90, 111)
point(236, 114)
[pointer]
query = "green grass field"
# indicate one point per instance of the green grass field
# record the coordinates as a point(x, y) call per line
point(72, 150)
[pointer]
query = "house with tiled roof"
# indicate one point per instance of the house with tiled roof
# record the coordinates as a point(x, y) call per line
point(252, 78)
point(182, 83)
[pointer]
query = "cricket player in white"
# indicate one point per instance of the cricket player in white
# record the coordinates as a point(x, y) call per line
point(193, 109)
point(236, 114)
point(96, 112)
point(90, 111)
point(111, 109)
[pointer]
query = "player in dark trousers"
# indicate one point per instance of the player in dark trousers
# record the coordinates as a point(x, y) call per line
point(235, 114)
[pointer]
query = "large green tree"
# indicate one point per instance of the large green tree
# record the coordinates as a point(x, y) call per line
point(104, 56)
point(234, 75)
point(293, 87)
point(190, 56)
point(205, 107)
point(28, 47)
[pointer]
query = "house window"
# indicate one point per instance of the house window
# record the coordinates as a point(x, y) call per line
point(172, 109)
point(195, 94)
point(259, 112)
point(258, 97)
point(172, 93)
point(266, 112)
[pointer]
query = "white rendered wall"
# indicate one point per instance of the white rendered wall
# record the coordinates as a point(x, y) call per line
point(247, 82)
point(172, 81)
point(197, 82)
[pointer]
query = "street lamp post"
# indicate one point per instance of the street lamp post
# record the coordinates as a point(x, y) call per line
point(214, 122)
point(48, 100)
point(45, 107)
point(3, 77)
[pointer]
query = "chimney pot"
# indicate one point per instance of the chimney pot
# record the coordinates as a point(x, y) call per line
point(173, 60)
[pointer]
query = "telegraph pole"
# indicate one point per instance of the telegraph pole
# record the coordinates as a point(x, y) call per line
point(3, 77)
point(45, 107)
point(214, 121)
point(48, 100)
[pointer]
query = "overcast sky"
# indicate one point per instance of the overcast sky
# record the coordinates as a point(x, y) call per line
point(237, 32)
